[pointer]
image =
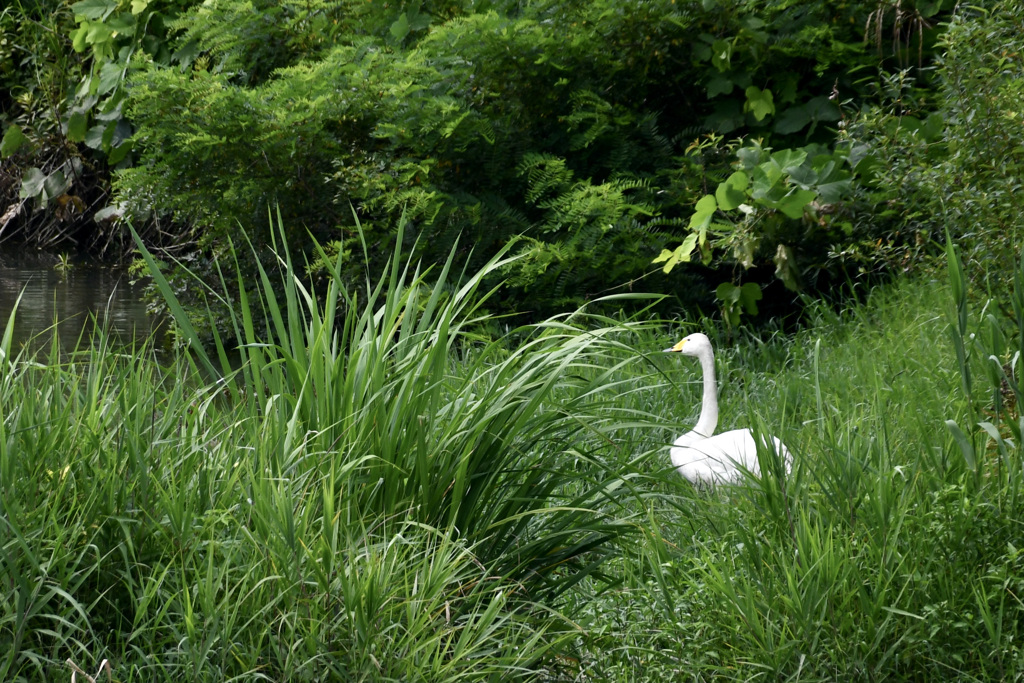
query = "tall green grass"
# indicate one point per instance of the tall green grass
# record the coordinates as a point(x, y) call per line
point(370, 487)
point(892, 552)
point(369, 490)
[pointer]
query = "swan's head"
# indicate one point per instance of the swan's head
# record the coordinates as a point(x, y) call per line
point(695, 344)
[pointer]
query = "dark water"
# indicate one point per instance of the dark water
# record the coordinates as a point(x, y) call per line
point(77, 298)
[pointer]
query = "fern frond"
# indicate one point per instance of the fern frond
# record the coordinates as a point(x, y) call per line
point(545, 175)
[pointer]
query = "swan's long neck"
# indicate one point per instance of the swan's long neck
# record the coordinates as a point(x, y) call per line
point(709, 406)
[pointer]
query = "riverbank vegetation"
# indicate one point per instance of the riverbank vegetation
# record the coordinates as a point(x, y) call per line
point(390, 494)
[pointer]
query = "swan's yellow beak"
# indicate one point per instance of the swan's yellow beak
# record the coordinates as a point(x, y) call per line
point(677, 347)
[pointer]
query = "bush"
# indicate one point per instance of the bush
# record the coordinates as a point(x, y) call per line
point(952, 160)
point(586, 131)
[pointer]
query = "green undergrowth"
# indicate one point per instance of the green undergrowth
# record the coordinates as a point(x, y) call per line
point(892, 552)
point(375, 490)
point(379, 488)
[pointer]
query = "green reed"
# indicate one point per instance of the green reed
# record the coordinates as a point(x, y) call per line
point(370, 490)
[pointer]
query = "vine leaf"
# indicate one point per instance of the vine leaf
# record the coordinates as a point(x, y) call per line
point(681, 254)
point(759, 102)
point(13, 139)
point(703, 212)
point(32, 183)
point(793, 204)
point(738, 300)
point(732, 191)
point(78, 125)
point(400, 29)
point(94, 9)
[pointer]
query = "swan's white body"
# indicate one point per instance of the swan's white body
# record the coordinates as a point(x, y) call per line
point(703, 457)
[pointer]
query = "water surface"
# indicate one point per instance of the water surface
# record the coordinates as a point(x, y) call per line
point(72, 297)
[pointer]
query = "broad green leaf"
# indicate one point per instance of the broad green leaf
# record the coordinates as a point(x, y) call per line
point(759, 102)
point(749, 156)
point(12, 141)
point(122, 131)
point(685, 250)
point(793, 204)
point(78, 38)
point(123, 24)
point(832, 192)
point(680, 254)
point(766, 176)
point(94, 9)
point(810, 112)
point(139, 6)
point(750, 294)
point(400, 28)
point(418, 20)
point(78, 124)
point(789, 159)
point(726, 117)
point(56, 184)
point(101, 37)
point(665, 255)
point(731, 192)
point(821, 108)
point(728, 292)
point(826, 166)
point(117, 154)
point(746, 296)
point(703, 212)
point(111, 110)
point(97, 136)
point(804, 177)
point(32, 181)
point(720, 85)
point(792, 120)
point(721, 54)
point(110, 77)
point(733, 304)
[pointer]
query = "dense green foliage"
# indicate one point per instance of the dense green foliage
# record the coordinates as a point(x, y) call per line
point(62, 91)
point(594, 135)
point(958, 167)
point(576, 129)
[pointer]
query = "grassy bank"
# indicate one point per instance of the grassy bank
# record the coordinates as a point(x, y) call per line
point(379, 492)
point(893, 550)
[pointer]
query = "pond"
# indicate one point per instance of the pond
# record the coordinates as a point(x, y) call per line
point(75, 294)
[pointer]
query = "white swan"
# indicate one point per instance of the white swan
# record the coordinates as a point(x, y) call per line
point(719, 459)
